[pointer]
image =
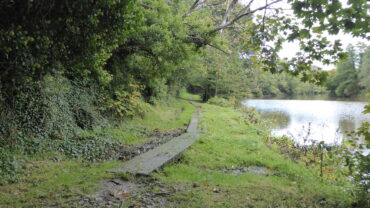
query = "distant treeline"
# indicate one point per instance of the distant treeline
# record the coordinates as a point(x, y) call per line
point(226, 76)
point(351, 77)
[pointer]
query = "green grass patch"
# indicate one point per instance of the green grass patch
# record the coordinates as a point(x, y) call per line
point(228, 141)
point(54, 182)
point(50, 177)
point(189, 96)
point(163, 117)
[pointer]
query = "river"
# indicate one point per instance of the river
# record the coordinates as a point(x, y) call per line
point(312, 120)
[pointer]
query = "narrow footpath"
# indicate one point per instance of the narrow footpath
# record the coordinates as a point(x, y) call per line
point(154, 159)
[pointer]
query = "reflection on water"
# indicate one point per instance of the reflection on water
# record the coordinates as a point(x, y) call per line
point(280, 119)
point(320, 120)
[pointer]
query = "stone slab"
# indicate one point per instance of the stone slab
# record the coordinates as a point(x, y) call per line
point(146, 163)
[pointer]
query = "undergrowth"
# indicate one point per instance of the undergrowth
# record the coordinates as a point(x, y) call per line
point(101, 143)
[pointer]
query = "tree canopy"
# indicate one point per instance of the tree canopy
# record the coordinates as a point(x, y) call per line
point(351, 76)
point(67, 64)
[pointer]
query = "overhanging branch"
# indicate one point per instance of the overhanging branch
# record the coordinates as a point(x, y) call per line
point(245, 12)
point(193, 7)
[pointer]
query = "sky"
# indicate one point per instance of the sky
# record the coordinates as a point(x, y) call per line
point(291, 48)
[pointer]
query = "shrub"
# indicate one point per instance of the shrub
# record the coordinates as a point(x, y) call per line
point(89, 149)
point(54, 108)
point(219, 101)
point(250, 115)
point(126, 103)
point(10, 166)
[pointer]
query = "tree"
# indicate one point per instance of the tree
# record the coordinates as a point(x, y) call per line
point(351, 76)
point(311, 17)
point(47, 37)
point(364, 70)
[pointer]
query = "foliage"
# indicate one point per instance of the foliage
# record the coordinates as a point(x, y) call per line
point(91, 146)
point(364, 69)
point(251, 116)
point(55, 107)
point(264, 84)
point(219, 101)
point(225, 76)
point(351, 76)
point(127, 104)
point(10, 167)
point(362, 163)
point(65, 64)
point(50, 36)
point(153, 54)
point(52, 56)
point(89, 149)
point(264, 34)
point(75, 66)
point(86, 149)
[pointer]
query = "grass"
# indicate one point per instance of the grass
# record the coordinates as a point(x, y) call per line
point(51, 178)
point(188, 96)
point(172, 114)
point(229, 142)
point(163, 117)
point(54, 182)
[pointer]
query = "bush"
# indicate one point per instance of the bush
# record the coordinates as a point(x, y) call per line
point(10, 166)
point(126, 104)
point(34, 43)
point(250, 115)
point(54, 108)
point(89, 149)
point(220, 102)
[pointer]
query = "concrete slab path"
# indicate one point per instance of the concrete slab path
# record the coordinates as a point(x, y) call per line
point(154, 159)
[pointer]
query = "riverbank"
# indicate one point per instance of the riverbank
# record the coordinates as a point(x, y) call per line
point(229, 166)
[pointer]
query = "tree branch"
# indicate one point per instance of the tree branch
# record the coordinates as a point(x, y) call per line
point(218, 48)
point(245, 12)
point(192, 8)
point(229, 9)
point(263, 20)
point(246, 8)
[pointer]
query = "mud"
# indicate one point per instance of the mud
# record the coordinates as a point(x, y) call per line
point(157, 138)
point(256, 170)
point(139, 192)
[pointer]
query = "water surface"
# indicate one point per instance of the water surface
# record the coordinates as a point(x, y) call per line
point(307, 120)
